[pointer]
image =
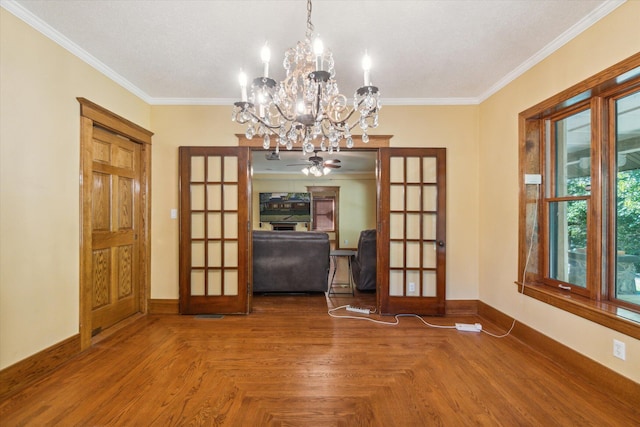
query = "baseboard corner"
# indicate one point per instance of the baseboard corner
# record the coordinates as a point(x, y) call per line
point(597, 374)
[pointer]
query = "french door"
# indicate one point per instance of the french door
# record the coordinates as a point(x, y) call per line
point(411, 232)
point(214, 230)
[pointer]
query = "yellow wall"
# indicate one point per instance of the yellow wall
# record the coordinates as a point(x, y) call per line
point(39, 198)
point(176, 126)
point(609, 41)
point(357, 208)
point(39, 220)
point(453, 127)
point(456, 129)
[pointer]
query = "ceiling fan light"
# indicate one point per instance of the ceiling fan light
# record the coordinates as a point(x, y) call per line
point(326, 170)
point(305, 171)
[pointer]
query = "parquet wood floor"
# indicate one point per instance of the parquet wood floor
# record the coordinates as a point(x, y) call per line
point(290, 364)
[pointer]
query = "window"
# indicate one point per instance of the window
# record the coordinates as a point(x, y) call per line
point(626, 197)
point(568, 194)
point(580, 227)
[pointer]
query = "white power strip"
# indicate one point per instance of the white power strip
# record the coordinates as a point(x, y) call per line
point(469, 327)
point(358, 310)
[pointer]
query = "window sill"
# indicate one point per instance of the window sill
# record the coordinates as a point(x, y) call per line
point(606, 314)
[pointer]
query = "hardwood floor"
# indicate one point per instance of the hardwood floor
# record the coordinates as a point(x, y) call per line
point(290, 364)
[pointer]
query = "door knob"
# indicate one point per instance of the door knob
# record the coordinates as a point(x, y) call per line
point(440, 243)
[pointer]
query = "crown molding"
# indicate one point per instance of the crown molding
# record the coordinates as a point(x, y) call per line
point(228, 102)
point(597, 14)
point(48, 31)
point(383, 101)
point(38, 24)
point(428, 101)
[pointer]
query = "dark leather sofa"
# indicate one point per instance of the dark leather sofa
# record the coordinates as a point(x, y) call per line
point(363, 264)
point(290, 261)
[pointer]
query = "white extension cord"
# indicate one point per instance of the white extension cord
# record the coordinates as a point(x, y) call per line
point(358, 309)
point(469, 327)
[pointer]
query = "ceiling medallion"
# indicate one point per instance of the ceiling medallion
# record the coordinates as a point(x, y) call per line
point(306, 107)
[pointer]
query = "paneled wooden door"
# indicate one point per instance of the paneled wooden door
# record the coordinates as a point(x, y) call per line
point(411, 235)
point(115, 217)
point(214, 230)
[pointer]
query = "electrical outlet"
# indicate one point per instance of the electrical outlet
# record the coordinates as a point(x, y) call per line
point(619, 349)
point(412, 287)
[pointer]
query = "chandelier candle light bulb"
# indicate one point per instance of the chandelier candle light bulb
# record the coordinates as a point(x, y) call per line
point(366, 66)
point(242, 78)
point(306, 107)
point(265, 55)
point(318, 50)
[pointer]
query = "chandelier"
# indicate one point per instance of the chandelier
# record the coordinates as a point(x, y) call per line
point(306, 107)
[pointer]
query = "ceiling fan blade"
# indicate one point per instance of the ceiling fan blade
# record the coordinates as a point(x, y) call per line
point(332, 166)
point(332, 161)
point(300, 164)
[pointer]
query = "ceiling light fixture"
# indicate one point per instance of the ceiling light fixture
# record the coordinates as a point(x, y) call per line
point(318, 167)
point(306, 106)
point(316, 170)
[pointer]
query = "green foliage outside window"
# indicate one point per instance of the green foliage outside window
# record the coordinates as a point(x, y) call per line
point(628, 217)
point(577, 213)
point(629, 213)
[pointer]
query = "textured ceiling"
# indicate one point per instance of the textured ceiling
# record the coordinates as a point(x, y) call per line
point(423, 52)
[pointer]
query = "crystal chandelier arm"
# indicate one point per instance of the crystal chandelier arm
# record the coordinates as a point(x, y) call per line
point(344, 122)
point(282, 113)
point(245, 107)
point(265, 124)
point(264, 84)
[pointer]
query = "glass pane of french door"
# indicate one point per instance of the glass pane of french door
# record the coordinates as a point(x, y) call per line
point(413, 239)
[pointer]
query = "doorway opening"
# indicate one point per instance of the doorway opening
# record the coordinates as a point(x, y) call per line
point(409, 224)
point(343, 204)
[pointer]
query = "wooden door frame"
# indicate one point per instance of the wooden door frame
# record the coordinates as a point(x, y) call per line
point(376, 142)
point(92, 115)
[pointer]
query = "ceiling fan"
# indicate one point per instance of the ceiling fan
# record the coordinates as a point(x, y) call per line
point(317, 166)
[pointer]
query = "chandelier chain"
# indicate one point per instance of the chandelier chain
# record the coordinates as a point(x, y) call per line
point(310, 27)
